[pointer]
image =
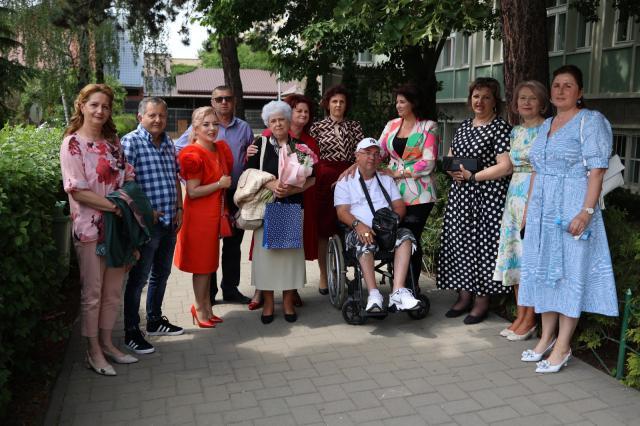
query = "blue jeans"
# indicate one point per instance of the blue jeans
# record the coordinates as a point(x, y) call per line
point(156, 258)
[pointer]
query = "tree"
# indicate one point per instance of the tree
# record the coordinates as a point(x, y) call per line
point(12, 74)
point(524, 45)
point(411, 34)
point(228, 20)
point(247, 56)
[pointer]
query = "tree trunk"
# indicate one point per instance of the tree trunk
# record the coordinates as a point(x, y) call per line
point(420, 66)
point(524, 44)
point(231, 67)
point(84, 68)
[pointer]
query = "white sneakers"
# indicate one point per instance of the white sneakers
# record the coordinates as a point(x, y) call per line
point(375, 303)
point(401, 300)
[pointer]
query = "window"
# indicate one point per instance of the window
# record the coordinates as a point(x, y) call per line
point(466, 39)
point(365, 57)
point(556, 25)
point(447, 55)
point(623, 29)
point(583, 38)
point(486, 48)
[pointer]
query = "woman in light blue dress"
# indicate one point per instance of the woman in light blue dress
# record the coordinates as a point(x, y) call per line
point(566, 265)
point(531, 103)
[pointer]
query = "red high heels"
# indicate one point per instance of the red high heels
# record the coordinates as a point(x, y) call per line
point(201, 324)
point(215, 319)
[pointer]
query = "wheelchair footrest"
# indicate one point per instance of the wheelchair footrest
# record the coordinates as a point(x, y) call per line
point(393, 309)
point(380, 314)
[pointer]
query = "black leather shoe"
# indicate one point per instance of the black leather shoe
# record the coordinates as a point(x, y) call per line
point(291, 317)
point(266, 319)
point(472, 319)
point(236, 297)
point(454, 313)
point(323, 291)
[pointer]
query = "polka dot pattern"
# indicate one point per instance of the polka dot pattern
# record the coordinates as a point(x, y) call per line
point(471, 229)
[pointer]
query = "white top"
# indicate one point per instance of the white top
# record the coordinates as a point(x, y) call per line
point(349, 192)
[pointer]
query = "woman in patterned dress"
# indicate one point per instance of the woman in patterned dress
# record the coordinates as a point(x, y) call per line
point(530, 102)
point(566, 264)
point(337, 138)
point(471, 229)
point(93, 165)
point(411, 143)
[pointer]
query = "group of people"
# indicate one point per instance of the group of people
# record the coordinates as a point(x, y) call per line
point(545, 173)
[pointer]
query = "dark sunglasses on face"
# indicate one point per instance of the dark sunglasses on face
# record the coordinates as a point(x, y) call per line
point(219, 99)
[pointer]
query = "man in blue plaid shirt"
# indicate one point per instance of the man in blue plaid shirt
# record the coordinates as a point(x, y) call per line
point(152, 154)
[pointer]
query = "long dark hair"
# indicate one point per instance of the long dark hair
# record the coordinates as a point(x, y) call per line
point(413, 95)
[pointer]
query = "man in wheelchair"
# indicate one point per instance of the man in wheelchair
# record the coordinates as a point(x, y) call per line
point(355, 211)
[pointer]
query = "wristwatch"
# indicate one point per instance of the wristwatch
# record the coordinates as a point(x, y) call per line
point(355, 223)
point(589, 210)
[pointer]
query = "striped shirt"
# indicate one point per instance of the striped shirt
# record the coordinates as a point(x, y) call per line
point(156, 170)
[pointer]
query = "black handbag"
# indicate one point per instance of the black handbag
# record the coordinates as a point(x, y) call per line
point(385, 220)
point(452, 164)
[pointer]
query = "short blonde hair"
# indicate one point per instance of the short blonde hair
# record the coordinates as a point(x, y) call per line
point(198, 117)
point(538, 90)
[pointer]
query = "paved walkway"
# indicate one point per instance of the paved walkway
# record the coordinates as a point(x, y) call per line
point(320, 370)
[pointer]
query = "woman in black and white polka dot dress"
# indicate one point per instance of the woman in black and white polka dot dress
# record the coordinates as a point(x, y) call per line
point(471, 230)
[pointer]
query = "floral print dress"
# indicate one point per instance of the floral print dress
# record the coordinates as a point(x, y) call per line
point(95, 165)
point(510, 248)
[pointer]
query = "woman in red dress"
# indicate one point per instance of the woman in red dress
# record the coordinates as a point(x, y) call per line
point(205, 166)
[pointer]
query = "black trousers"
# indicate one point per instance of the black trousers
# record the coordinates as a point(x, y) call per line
point(231, 256)
point(414, 220)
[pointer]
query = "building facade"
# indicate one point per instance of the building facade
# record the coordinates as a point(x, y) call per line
point(607, 52)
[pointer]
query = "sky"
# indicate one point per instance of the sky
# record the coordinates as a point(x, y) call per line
point(179, 50)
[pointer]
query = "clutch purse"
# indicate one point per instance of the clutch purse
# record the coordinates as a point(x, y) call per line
point(452, 164)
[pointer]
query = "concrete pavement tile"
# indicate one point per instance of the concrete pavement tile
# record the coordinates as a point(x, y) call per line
point(274, 407)
point(452, 392)
point(272, 392)
point(243, 400)
point(443, 379)
point(361, 385)
point(182, 400)
point(511, 390)
point(273, 379)
point(306, 414)
point(586, 405)
point(332, 393)
point(398, 407)
point(209, 419)
point(535, 385)
point(603, 418)
point(331, 379)
point(153, 408)
point(473, 385)
point(301, 374)
point(487, 398)
point(497, 414)
point(247, 373)
point(583, 423)
point(181, 415)
point(547, 398)
point(524, 406)
point(242, 415)
point(426, 399)
point(418, 385)
point(434, 414)
point(94, 407)
point(339, 419)
point(369, 414)
point(150, 421)
point(355, 373)
point(365, 399)
point(283, 420)
point(301, 386)
point(386, 379)
point(537, 420)
point(188, 386)
point(414, 420)
point(563, 413)
point(332, 407)
point(244, 386)
point(306, 399)
point(114, 416)
point(461, 406)
point(469, 419)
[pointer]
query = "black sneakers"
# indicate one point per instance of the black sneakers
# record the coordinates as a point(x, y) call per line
point(162, 327)
point(134, 339)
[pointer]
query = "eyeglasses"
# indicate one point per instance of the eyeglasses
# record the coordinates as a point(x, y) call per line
point(219, 99)
point(370, 154)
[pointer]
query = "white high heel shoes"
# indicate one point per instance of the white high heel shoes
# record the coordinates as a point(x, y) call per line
point(530, 356)
point(546, 367)
point(103, 371)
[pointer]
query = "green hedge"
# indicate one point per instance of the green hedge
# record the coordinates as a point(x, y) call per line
point(29, 265)
point(125, 123)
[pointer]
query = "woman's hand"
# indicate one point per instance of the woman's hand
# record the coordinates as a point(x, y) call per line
point(252, 150)
point(579, 223)
point(365, 234)
point(224, 182)
point(349, 172)
point(387, 172)
point(156, 216)
point(466, 174)
point(284, 190)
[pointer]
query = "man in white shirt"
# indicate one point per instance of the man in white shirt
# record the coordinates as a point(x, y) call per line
point(353, 209)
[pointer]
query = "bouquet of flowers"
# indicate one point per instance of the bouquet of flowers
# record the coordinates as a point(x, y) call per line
point(295, 164)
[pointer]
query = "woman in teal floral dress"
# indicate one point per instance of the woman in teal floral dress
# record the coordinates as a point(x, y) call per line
point(530, 102)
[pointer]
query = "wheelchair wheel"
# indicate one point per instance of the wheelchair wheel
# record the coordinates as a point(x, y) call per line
point(352, 313)
point(419, 314)
point(336, 273)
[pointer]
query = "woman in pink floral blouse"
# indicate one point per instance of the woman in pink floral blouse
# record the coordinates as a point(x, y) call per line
point(93, 165)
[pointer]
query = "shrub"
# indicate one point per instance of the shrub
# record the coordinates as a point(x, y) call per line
point(29, 265)
point(125, 123)
point(433, 228)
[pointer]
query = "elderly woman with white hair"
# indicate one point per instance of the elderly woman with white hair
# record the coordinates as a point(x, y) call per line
point(280, 269)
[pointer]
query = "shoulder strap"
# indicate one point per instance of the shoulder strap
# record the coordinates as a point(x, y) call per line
point(263, 148)
point(584, 162)
point(366, 193)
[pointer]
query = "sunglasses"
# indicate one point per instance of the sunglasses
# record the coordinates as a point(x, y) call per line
point(219, 99)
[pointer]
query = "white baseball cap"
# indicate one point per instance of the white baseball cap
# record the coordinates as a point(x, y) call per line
point(366, 143)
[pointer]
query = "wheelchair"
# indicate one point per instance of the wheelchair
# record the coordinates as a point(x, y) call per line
point(349, 294)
